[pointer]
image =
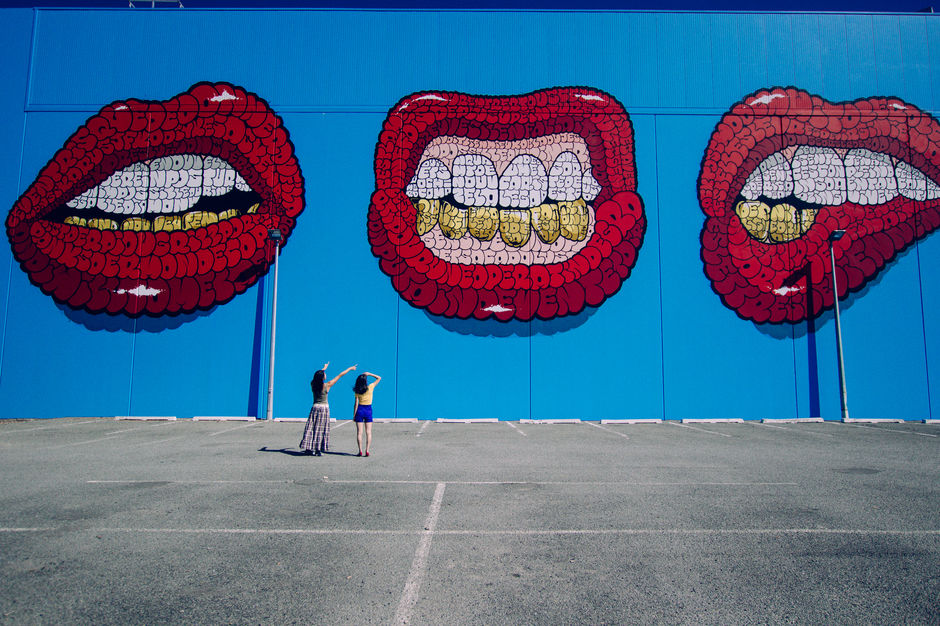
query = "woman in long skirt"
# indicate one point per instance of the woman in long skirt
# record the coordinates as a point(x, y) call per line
point(316, 437)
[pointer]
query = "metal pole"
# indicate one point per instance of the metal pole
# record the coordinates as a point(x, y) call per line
point(270, 413)
point(835, 297)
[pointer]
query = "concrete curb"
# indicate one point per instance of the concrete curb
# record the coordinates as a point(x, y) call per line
point(872, 421)
point(636, 421)
point(471, 420)
point(792, 420)
point(550, 421)
point(224, 418)
point(396, 420)
point(141, 418)
point(717, 420)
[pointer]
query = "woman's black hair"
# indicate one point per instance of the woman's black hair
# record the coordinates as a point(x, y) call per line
point(362, 384)
point(316, 385)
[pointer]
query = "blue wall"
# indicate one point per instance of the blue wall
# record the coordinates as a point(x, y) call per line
point(663, 347)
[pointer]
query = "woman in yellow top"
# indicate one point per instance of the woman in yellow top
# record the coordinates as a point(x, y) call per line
point(362, 410)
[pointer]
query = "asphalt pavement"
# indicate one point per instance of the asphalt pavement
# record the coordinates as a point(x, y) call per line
point(143, 522)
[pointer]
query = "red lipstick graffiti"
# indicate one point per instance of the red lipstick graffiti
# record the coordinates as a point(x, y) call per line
point(506, 207)
point(784, 169)
point(160, 207)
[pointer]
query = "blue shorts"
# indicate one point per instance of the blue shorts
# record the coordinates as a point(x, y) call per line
point(363, 413)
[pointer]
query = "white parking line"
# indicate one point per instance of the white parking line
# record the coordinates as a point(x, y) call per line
point(799, 430)
point(25, 430)
point(516, 428)
point(607, 429)
point(228, 430)
point(928, 532)
point(423, 426)
point(701, 430)
point(890, 430)
point(419, 565)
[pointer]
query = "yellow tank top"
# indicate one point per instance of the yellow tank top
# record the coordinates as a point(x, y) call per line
point(366, 397)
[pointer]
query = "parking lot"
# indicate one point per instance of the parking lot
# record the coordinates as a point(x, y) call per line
point(105, 521)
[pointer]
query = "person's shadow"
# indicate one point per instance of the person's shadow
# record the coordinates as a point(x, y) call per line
point(290, 452)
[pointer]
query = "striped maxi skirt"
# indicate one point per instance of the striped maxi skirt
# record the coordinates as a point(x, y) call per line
point(317, 431)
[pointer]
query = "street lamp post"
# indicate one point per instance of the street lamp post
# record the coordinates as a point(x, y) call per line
point(836, 235)
point(274, 235)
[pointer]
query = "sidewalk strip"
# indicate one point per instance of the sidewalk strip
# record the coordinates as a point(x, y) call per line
point(409, 596)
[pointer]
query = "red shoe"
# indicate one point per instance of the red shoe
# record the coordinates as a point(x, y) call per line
point(367, 454)
point(360, 454)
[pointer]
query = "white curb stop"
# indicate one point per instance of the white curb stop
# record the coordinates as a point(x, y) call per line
point(715, 420)
point(471, 420)
point(551, 421)
point(792, 420)
point(141, 418)
point(632, 421)
point(224, 418)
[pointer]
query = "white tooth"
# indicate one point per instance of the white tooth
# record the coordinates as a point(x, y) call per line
point(753, 187)
point(84, 200)
point(818, 175)
point(125, 191)
point(869, 177)
point(933, 190)
point(911, 181)
point(218, 177)
point(776, 176)
point(523, 183)
point(564, 178)
point(475, 182)
point(174, 185)
point(431, 181)
point(240, 183)
point(590, 188)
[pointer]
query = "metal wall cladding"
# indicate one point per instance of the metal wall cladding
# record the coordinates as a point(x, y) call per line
point(664, 345)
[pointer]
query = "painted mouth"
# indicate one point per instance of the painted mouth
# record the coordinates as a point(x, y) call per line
point(507, 207)
point(785, 169)
point(160, 207)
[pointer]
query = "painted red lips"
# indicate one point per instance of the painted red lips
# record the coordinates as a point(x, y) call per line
point(784, 169)
point(160, 207)
point(506, 207)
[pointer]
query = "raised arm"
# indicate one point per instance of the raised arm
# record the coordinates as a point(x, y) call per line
point(340, 375)
point(375, 376)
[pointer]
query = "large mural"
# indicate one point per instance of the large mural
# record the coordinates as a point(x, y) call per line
point(514, 207)
point(786, 169)
point(160, 208)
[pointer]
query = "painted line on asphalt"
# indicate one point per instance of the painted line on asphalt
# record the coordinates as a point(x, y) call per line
point(423, 426)
point(607, 429)
point(891, 430)
point(516, 428)
point(228, 430)
point(419, 565)
point(341, 424)
point(25, 430)
point(701, 430)
point(579, 483)
point(800, 430)
point(494, 532)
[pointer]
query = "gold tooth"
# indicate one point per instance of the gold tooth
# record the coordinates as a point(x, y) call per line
point(483, 222)
point(253, 208)
point(514, 226)
point(198, 219)
point(136, 223)
point(573, 219)
point(224, 215)
point(546, 222)
point(428, 210)
point(784, 223)
point(807, 219)
point(102, 223)
point(755, 217)
point(168, 222)
point(453, 220)
point(76, 221)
